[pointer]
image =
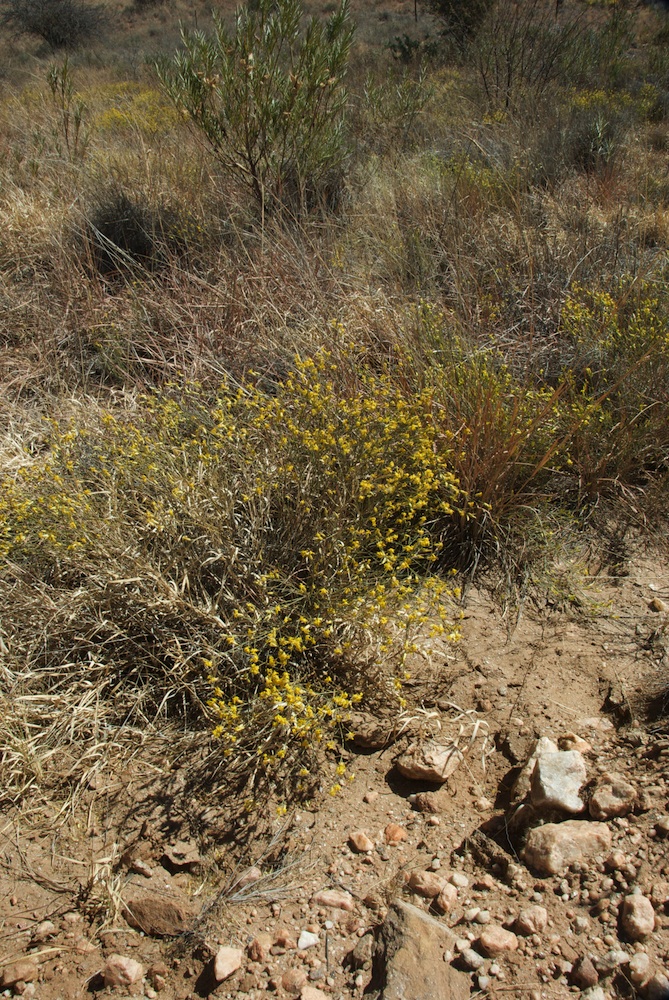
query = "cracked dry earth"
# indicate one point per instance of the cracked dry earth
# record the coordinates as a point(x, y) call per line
point(546, 879)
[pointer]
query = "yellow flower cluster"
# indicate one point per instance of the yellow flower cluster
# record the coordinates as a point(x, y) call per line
point(133, 108)
point(620, 330)
point(600, 100)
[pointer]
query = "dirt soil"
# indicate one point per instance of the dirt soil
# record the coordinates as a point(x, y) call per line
point(145, 841)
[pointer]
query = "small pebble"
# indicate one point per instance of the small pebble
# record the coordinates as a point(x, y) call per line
point(459, 879)
point(483, 804)
point(360, 842)
point(307, 940)
point(472, 959)
point(639, 968)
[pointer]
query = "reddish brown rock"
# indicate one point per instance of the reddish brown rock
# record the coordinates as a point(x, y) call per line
point(157, 917)
point(360, 842)
point(247, 983)
point(336, 898)
point(256, 952)
point(446, 899)
point(370, 733)
point(394, 834)
point(139, 867)
point(584, 974)
point(361, 956)
point(532, 920)
point(19, 972)
point(431, 761)
point(250, 876)
point(570, 741)
point(311, 993)
point(181, 856)
point(284, 939)
point(659, 892)
point(553, 847)
point(294, 981)
point(427, 884)
point(82, 945)
point(122, 971)
point(376, 903)
point(611, 796)
point(226, 961)
point(494, 940)
point(44, 930)
point(637, 917)
point(157, 975)
point(657, 987)
point(426, 802)
point(409, 957)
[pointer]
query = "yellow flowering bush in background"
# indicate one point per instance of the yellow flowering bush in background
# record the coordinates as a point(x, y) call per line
point(619, 380)
point(134, 108)
point(530, 447)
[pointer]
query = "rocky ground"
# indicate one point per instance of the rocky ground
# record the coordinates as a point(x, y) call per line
point(510, 837)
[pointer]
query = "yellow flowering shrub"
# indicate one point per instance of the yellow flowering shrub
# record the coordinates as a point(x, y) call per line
point(277, 549)
point(619, 380)
point(527, 450)
point(136, 109)
point(600, 100)
point(508, 437)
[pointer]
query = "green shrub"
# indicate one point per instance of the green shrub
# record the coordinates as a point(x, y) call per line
point(62, 24)
point(71, 135)
point(603, 51)
point(404, 48)
point(392, 111)
point(587, 134)
point(461, 19)
point(269, 99)
point(522, 48)
point(408, 50)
